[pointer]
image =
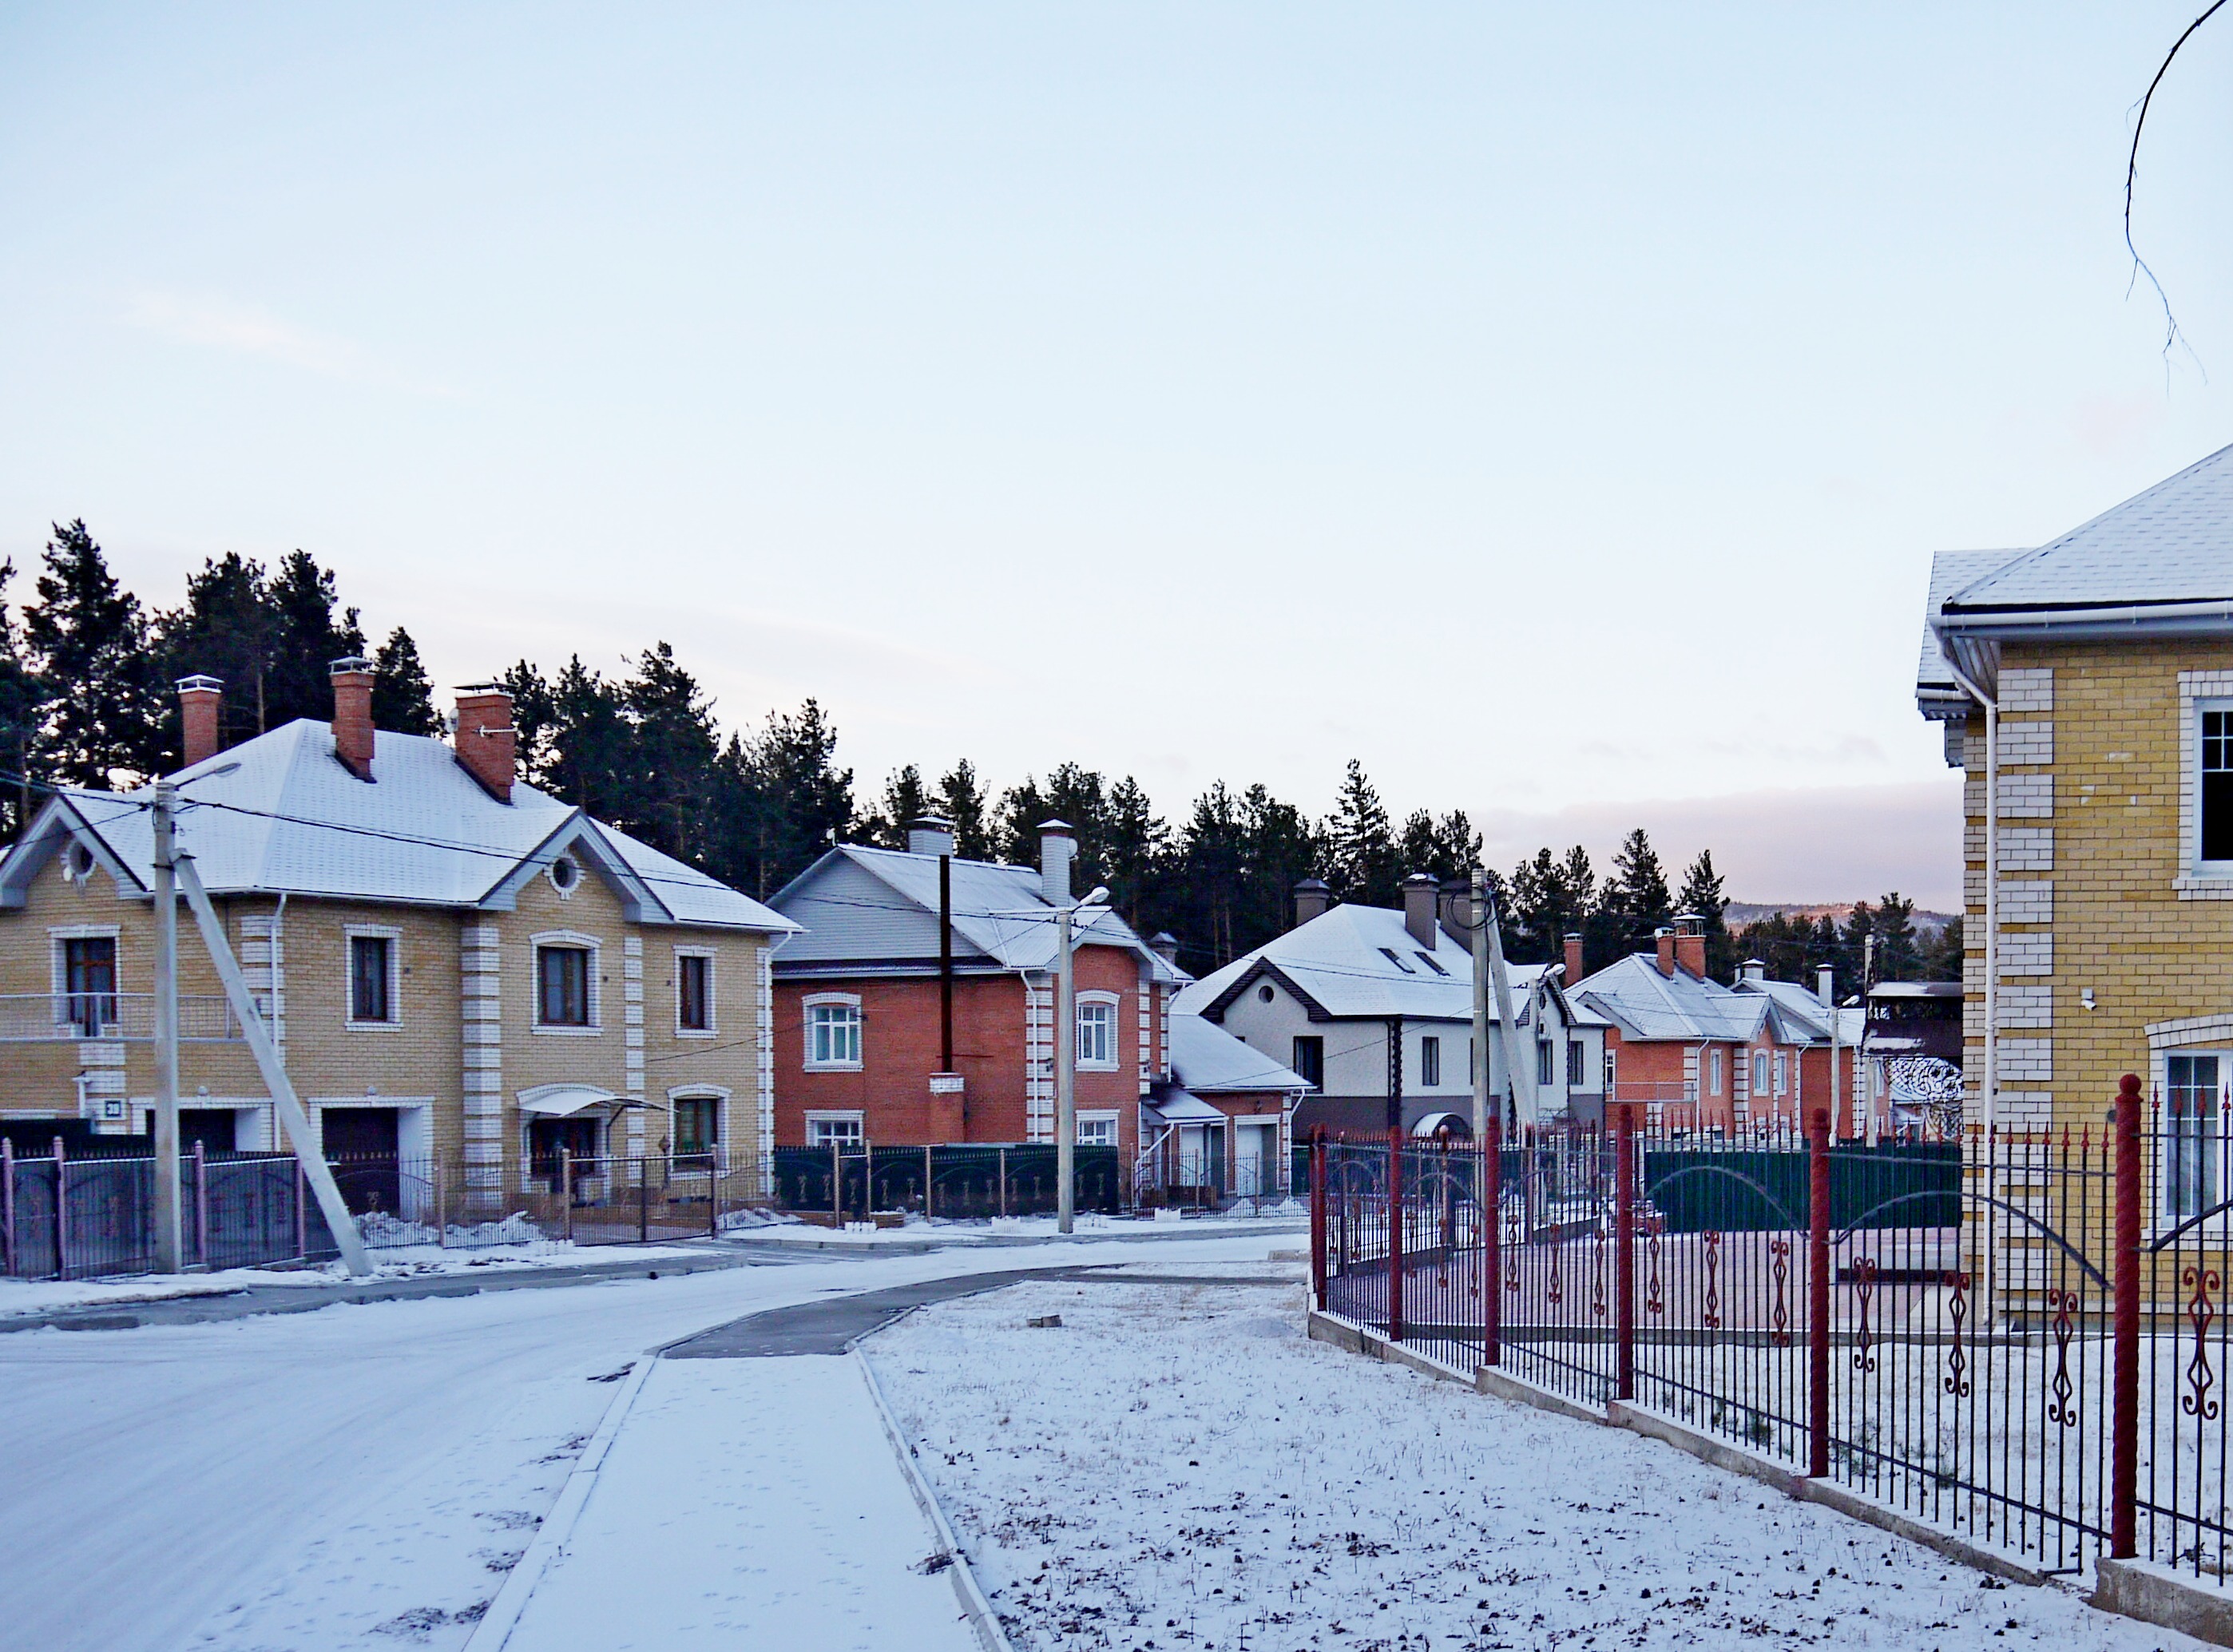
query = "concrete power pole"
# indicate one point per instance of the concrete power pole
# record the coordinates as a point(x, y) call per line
point(1065, 1070)
point(1480, 1008)
point(170, 1247)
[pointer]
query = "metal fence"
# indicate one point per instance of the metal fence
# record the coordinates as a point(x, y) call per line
point(853, 1180)
point(2021, 1338)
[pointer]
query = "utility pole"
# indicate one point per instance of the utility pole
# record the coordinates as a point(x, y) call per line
point(1065, 1070)
point(1481, 1009)
point(1521, 1073)
point(169, 1248)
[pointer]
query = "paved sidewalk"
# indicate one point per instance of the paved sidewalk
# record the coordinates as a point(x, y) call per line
point(747, 1502)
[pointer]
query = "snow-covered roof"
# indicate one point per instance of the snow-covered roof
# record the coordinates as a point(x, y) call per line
point(1647, 1005)
point(281, 814)
point(1362, 961)
point(865, 908)
point(1209, 1061)
point(1937, 694)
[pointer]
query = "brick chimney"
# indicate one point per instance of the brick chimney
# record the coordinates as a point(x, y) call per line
point(1058, 849)
point(1165, 945)
point(1665, 937)
point(353, 715)
point(487, 743)
point(930, 835)
point(1456, 912)
point(1574, 960)
point(1313, 899)
point(201, 700)
point(1690, 943)
point(1422, 894)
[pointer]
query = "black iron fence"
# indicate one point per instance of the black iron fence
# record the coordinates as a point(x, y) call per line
point(2021, 1338)
point(852, 1181)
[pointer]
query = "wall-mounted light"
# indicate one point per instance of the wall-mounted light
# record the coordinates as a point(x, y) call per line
point(2085, 997)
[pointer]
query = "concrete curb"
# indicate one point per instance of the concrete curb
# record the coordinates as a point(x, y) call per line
point(975, 1608)
point(1267, 1226)
point(503, 1615)
point(2160, 1596)
point(2156, 1585)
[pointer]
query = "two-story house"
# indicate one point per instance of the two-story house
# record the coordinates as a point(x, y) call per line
point(918, 1007)
point(2086, 691)
point(460, 970)
point(1368, 1004)
point(1727, 1060)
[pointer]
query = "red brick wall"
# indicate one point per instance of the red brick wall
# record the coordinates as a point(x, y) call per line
point(899, 1051)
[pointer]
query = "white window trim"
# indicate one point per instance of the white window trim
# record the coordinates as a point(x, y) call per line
point(1716, 1068)
point(806, 1009)
point(59, 971)
point(350, 934)
point(715, 1093)
point(2193, 1041)
point(566, 938)
point(712, 957)
point(834, 1115)
point(1114, 1003)
point(2197, 879)
point(1110, 1116)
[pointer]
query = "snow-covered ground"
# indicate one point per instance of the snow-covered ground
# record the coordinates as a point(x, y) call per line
point(362, 1476)
point(1176, 1469)
point(1269, 1218)
point(19, 1297)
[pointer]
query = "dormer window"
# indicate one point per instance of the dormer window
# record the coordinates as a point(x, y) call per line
point(1424, 958)
point(1389, 952)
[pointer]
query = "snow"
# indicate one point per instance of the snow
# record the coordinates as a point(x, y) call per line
point(1243, 1218)
point(19, 1297)
point(354, 1479)
point(1176, 1467)
point(759, 1501)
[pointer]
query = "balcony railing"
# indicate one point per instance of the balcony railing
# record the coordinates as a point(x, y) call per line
point(66, 1017)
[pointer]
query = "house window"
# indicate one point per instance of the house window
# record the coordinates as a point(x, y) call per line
point(1577, 1063)
point(1389, 952)
point(1759, 1072)
point(89, 981)
point(697, 1125)
point(2217, 823)
point(1713, 1070)
point(1310, 1062)
point(1546, 1072)
point(561, 986)
point(1430, 1061)
point(833, 1129)
point(693, 993)
point(372, 960)
point(2190, 1177)
point(1781, 1073)
point(1096, 1130)
point(833, 1034)
point(1097, 1033)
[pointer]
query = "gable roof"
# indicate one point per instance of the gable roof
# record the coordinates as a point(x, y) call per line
point(1647, 1005)
point(281, 814)
point(1207, 1060)
point(1340, 965)
point(1937, 694)
point(863, 908)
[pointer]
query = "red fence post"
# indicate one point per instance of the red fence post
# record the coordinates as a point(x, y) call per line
point(1818, 1293)
point(2125, 1402)
point(1318, 1217)
point(1491, 1242)
point(1395, 1236)
point(61, 1211)
point(1624, 1249)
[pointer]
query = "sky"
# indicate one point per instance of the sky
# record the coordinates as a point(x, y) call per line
point(1554, 408)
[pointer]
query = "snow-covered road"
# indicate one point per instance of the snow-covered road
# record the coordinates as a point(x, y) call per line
point(361, 1476)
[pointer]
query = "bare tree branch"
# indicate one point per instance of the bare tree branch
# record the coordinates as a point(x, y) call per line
point(2132, 171)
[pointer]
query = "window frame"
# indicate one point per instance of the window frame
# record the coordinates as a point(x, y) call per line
point(1578, 1063)
point(1547, 1067)
point(707, 958)
point(716, 1103)
point(857, 1021)
point(1315, 1043)
point(1106, 1003)
point(1759, 1072)
point(2201, 709)
point(1716, 1066)
point(1098, 1118)
point(849, 1119)
point(391, 988)
point(1430, 1061)
point(2209, 1140)
point(106, 1016)
point(566, 941)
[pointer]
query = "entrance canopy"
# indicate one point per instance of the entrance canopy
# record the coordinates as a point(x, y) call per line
point(1182, 1107)
point(1435, 1123)
point(569, 1101)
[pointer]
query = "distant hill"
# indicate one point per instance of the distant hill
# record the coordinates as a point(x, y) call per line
point(1738, 913)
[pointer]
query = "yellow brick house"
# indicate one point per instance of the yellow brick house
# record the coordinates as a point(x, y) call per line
point(460, 970)
point(2087, 690)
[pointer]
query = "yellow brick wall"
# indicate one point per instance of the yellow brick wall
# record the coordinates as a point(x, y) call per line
point(2119, 926)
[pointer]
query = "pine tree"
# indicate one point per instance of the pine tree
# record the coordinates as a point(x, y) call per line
point(1361, 850)
point(1134, 848)
point(906, 801)
point(228, 629)
point(1636, 901)
point(402, 694)
point(1942, 952)
point(1448, 848)
point(672, 748)
point(21, 696)
point(1702, 893)
point(785, 800)
point(961, 800)
point(88, 638)
point(310, 638)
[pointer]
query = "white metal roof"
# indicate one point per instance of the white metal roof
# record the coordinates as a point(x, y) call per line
point(1342, 959)
point(282, 814)
point(1209, 1061)
point(1647, 1005)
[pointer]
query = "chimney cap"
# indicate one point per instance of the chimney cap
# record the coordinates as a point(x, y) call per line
point(1571, 934)
point(353, 664)
point(933, 822)
point(1426, 879)
point(1688, 923)
point(1056, 829)
point(483, 688)
point(199, 684)
point(1312, 885)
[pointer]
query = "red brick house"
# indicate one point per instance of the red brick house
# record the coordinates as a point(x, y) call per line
point(860, 1002)
point(1725, 1060)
